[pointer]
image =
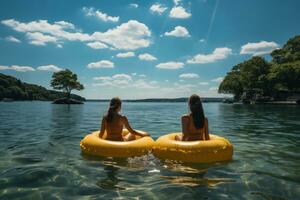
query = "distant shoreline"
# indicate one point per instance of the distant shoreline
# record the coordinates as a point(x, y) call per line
point(183, 99)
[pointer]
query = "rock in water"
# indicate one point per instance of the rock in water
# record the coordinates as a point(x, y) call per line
point(67, 101)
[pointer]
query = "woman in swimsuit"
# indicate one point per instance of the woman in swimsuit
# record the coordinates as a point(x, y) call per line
point(113, 123)
point(194, 124)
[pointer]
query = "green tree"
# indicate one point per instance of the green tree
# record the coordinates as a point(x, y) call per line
point(67, 81)
point(290, 52)
point(232, 84)
point(250, 75)
point(285, 76)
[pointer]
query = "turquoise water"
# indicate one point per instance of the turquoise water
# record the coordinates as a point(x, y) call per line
point(41, 159)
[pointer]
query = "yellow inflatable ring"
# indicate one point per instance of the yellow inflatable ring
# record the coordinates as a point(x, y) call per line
point(203, 151)
point(93, 145)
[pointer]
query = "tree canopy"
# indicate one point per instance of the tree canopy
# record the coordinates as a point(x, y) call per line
point(257, 75)
point(12, 88)
point(67, 81)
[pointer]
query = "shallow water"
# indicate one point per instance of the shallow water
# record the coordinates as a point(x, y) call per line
point(41, 158)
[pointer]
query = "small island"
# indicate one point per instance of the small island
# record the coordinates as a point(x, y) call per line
point(12, 89)
point(259, 81)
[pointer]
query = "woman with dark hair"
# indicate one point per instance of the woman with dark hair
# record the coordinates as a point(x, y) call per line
point(113, 123)
point(194, 124)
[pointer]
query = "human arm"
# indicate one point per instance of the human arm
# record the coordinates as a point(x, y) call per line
point(184, 126)
point(131, 130)
point(102, 129)
point(206, 132)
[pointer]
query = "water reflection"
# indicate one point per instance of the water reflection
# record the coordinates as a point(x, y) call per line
point(111, 180)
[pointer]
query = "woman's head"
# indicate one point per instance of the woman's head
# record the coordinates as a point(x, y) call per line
point(114, 107)
point(196, 109)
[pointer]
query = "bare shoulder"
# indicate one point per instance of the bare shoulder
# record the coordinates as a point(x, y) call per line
point(185, 117)
point(123, 118)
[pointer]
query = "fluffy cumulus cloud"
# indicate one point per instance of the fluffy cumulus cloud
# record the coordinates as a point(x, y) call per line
point(124, 81)
point(158, 8)
point(37, 38)
point(126, 55)
point(179, 31)
point(99, 15)
point(259, 48)
point(134, 5)
point(170, 65)
point(17, 68)
point(179, 12)
point(12, 39)
point(129, 36)
point(97, 45)
point(147, 57)
point(49, 68)
point(101, 64)
point(218, 80)
point(189, 76)
point(216, 55)
point(203, 83)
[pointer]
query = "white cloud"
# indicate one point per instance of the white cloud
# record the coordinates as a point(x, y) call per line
point(147, 57)
point(21, 68)
point(176, 2)
point(216, 55)
point(65, 25)
point(97, 45)
point(122, 76)
point(218, 80)
point(50, 68)
point(17, 68)
point(134, 5)
point(4, 67)
point(170, 65)
point(203, 83)
point(213, 89)
point(189, 76)
point(102, 78)
point(179, 31)
point(202, 40)
point(142, 75)
point(100, 15)
point(126, 55)
point(125, 81)
point(131, 35)
point(12, 39)
point(259, 48)
point(101, 64)
point(179, 12)
point(158, 8)
point(58, 29)
point(40, 39)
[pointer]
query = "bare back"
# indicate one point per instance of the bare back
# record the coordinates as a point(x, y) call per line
point(114, 128)
point(190, 132)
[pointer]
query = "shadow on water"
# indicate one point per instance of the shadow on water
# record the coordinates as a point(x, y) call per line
point(193, 174)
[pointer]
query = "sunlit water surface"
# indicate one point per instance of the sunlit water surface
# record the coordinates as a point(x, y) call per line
point(40, 157)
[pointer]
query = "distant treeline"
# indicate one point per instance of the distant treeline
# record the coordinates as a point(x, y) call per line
point(184, 99)
point(259, 80)
point(12, 88)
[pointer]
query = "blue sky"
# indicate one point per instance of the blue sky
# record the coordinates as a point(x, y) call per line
point(140, 49)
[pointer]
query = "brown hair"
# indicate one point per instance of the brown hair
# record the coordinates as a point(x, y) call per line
point(114, 104)
point(196, 109)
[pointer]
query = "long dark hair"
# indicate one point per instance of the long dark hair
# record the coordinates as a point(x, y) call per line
point(114, 104)
point(196, 109)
